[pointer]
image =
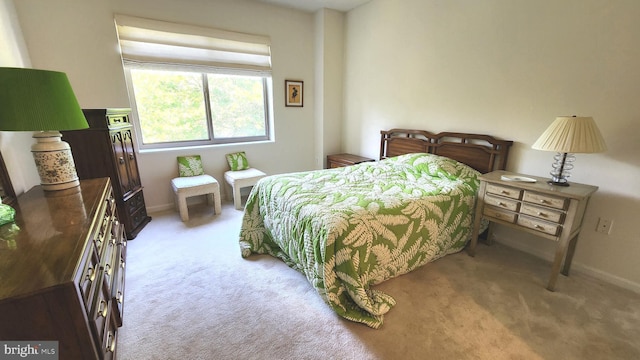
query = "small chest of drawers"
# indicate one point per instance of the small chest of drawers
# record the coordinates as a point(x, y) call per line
point(547, 211)
point(340, 160)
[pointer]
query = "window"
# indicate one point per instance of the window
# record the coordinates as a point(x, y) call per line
point(195, 86)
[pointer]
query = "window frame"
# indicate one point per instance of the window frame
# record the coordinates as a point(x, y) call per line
point(267, 85)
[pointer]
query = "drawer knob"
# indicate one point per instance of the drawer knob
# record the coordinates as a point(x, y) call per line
point(539, 227)
point(502, 204)
point(542, 214)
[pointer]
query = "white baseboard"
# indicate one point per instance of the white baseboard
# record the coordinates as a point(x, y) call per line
point(159, 208)
point(575, 266)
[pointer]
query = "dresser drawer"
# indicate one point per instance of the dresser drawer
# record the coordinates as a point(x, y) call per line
point(501, 202)
point(100, 313)
point(135, 203)
point(89, 276)
point(538, 225)
point(542, 213)
point(500, 214)
point(545, 200)
point(110, 340)
point(504, 191)
point(117, 291)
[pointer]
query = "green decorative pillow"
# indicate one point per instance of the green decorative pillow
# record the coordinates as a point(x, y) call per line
point(190, 165)
point(7, 214)
point(238, 161)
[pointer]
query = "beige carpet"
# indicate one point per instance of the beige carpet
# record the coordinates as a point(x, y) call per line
point(189, 295)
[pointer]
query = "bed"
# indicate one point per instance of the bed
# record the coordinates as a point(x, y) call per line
point(348, 229)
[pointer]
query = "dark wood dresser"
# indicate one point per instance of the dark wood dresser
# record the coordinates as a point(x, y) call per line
point(106, 149)
point(62, 270)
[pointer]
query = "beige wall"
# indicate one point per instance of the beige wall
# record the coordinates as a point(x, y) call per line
point(329, 77)
point(79, 38)
point(507, 68)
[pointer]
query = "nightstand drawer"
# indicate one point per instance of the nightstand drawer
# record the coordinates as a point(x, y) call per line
point(501, 202)
point(504, 191)
point(542, 213)
point(539, 225)
point(500, 214)
point(546, 200)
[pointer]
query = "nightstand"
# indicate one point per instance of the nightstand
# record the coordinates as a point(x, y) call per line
point(340, 160)
point(547, 211)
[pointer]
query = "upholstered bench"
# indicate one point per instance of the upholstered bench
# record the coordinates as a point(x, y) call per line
point(193, 182)
point(241, 179)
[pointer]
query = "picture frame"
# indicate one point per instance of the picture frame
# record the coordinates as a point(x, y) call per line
point(293, 93)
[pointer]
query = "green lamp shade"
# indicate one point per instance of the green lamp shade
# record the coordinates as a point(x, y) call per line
point(43, 101)
point(32, 100)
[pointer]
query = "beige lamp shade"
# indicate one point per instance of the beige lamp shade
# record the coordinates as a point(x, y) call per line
point(571, 134)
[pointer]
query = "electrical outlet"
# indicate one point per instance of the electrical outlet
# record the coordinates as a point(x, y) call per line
point(604, 226)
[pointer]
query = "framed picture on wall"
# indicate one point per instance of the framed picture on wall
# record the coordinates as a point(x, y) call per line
point(293, 92)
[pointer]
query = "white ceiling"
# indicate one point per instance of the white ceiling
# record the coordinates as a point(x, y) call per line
point(313, 5)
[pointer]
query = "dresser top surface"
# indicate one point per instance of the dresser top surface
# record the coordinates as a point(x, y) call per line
point(574, 190)
point(45, 245)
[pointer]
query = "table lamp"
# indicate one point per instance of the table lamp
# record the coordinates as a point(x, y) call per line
point(568, 135)
point(43, 101)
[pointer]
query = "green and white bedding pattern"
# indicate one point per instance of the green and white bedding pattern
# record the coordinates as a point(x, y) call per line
point(347, 229)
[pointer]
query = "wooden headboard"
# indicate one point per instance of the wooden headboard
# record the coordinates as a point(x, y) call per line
point(482, 152)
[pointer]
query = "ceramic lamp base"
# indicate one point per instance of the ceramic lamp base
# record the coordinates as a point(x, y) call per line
point(54, 161)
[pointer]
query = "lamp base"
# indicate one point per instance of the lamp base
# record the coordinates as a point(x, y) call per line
point(557, 183)
point(54, 161)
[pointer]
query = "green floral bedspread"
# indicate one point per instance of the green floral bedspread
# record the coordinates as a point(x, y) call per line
point(349, 228)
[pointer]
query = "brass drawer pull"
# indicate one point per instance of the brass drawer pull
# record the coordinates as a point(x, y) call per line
point(91, 274)
point(111, 344)
point(102, 310)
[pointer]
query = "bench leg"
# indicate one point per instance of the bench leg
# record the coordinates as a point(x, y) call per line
point(217, 207)
point(182, 206)
point(237, 199)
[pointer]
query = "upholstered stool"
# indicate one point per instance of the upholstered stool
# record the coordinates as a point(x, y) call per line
point(241, 179)
point(193, 182)
point(185, 187)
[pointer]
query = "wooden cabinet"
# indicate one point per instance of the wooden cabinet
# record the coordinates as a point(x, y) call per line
point(106, 149)
point(62, 270)
point(340, 160)
point(547, 211)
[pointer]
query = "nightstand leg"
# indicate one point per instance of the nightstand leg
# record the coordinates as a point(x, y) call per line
point(563, 245)
point(477, 220)
point(569, 257)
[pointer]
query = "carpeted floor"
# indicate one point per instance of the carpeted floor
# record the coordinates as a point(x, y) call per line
point(189, 295)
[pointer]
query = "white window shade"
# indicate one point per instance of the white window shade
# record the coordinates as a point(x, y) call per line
point(146, 41)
